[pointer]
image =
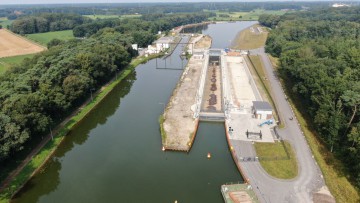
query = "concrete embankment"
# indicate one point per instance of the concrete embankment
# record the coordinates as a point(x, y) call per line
point(178, 124)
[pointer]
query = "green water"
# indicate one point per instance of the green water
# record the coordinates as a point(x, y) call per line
point(114, 155)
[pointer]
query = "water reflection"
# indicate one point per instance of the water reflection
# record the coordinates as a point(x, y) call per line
point(115, 154)
point(50, 171)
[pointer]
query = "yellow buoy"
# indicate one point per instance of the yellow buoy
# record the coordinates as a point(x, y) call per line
point(209, 155)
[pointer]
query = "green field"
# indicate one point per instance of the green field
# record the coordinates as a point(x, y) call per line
point(248, 39)
point(5, 63)
point(44, 38)
point(252, 15)
point(278, 159)
point(5, 22)
point(112, 16)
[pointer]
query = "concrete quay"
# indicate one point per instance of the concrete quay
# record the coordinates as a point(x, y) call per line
point(181, 117)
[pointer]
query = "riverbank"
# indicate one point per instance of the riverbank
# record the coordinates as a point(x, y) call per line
point(38, 157)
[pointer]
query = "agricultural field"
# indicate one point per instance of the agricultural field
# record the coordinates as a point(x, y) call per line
point(5, 22)
point(14, 45)
point(44, 38)
point(5, 63)
point(235, 16)
point(112, 16)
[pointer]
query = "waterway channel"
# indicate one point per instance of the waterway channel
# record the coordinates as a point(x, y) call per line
point(115, 154)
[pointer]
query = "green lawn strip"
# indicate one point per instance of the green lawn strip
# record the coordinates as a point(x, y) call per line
point(5, 63)
point(274, 61)
point(40, 158)
point(44, 38)
point(335, 174)
point(278, 159)
point(265, 84)
point(250, 40)
point(162, 131)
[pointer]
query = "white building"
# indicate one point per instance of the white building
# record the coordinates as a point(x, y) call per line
point(163, 43)
point(262, 110)
point(134, 46)
point(336, 5)
point(151, 50)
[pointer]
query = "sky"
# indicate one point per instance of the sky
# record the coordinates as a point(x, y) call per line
point(115, 1)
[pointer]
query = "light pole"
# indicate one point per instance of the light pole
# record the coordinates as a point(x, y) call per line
point(91, 89)
point(52, 137)
point(116, 73)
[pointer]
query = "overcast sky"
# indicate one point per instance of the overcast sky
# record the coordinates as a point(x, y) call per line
point(113, 1)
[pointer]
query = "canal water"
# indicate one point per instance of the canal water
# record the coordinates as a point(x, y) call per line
point(114, 155)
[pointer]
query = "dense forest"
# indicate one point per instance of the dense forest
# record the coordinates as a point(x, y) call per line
point(319, 55)
point(46, 22)
point(40, 92)
point(148, 24)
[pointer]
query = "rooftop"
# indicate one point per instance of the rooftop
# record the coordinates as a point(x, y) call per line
point(261, 105)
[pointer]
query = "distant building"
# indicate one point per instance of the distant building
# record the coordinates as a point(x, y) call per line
point(262, 110)
point(151, 50)
point(163, 43)
point(340, 5)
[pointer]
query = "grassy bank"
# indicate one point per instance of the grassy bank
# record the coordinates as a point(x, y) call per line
point(41, 157)
point(334, 172)
point(46, 37)
point(248, 39)
point(5, 63)
point(162, 131)
point(257, 65)
point(278, 159)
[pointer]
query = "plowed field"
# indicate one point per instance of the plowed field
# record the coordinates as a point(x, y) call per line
point(13, 45)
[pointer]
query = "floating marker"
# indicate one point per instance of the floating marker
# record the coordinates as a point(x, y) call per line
point(209, 155)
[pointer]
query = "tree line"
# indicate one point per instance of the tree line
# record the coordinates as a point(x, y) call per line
point(319, 54)
point(46, 22)
point(14, 11)
point(143, 31)
point(40, 92)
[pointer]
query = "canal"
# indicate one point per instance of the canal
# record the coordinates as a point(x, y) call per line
point(114, 155)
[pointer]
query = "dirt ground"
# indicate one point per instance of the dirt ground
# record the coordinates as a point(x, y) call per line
point(179, 124)
point(205, 42)
point(212, 99)
point(13, 45)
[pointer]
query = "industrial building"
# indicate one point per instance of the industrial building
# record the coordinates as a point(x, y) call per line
point(262, 110)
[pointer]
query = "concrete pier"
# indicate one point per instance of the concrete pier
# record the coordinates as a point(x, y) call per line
point(181, 117)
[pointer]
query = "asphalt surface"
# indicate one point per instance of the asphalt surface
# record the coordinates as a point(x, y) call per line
point(270, 189)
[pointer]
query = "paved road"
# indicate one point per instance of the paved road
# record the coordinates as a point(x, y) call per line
point(274, 190)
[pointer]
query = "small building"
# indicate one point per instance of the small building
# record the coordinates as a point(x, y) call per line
point(163, 43)
point(262, 110)
point(134, 46)
point(151, 50)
